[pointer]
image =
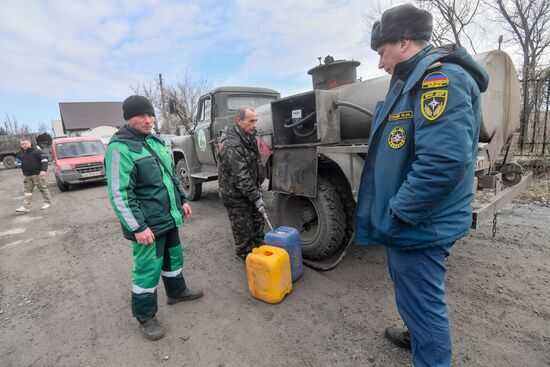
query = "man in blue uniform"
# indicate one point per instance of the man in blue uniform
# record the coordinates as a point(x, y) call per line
point(417, 182)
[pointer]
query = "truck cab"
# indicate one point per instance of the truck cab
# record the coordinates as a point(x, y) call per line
point(195, 152)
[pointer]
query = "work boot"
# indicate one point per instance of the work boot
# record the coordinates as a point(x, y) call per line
point(151, 328)
point(187, 295)
point(399, 337)
point(243, 255)
point(22, 210)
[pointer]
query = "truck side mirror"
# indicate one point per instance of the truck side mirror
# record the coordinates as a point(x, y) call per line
point(172, 106)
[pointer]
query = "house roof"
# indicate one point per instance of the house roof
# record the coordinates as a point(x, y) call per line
point(87, 115)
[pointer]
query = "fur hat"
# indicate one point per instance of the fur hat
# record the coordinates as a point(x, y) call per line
point(401, 22)
point(136, 105)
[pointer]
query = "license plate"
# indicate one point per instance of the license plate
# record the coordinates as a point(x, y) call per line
point(91, 174)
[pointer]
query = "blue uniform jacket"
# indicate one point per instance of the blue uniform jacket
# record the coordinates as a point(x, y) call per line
point(417, 182)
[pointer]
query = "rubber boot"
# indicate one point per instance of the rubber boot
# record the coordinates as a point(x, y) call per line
point(151, 328)
point(187, 295)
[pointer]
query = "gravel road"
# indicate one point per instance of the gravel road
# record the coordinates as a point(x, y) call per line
point(65, 293)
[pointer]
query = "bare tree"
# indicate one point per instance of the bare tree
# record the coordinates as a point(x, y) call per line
point(12, 126)
point(455, 22)
point(528, 22)
point(44, 127)
point(376, 11)
point(186, 92)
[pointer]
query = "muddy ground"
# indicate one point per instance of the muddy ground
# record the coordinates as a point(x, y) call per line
point(65, 292)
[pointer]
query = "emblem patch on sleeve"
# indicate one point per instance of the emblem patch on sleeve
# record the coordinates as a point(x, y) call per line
point(397, 138)
point(433, 104)
point(436, 79)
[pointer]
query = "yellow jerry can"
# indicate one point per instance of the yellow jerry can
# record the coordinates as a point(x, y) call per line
point(268, 273)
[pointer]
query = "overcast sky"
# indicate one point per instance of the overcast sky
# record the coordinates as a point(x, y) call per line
point(64, 51)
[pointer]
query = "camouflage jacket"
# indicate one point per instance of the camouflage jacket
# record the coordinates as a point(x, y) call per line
point(239, 175)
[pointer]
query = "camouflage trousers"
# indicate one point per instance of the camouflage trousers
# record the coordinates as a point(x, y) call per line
point(247, 225)
point(40, 182)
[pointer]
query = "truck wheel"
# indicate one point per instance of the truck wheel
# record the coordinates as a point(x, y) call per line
point(63, 186)
point(192, 190)
point(9, 161)
point(321, 221)
point(346, 197)
point(511, 179)
point(512, 174)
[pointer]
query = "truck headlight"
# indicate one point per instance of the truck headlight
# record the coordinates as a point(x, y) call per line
point(66, 167)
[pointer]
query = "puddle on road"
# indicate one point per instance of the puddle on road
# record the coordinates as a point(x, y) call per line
point(15, 243)
point(25, 219)
point(57, 233)
point(12, 231)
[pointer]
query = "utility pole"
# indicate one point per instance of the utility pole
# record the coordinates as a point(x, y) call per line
point(161, 92)
point(161, 103)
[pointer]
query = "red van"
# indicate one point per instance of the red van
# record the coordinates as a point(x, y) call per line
point(78, 160)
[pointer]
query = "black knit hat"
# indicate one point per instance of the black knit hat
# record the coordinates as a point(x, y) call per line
point(400, 23)
point(136, 105)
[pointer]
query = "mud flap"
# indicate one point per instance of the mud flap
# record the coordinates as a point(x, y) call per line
point(295, 171)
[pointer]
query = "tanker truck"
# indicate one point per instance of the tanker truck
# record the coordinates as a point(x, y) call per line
point(317, 143)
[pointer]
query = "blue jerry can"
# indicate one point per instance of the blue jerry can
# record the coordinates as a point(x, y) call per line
point(288, 238)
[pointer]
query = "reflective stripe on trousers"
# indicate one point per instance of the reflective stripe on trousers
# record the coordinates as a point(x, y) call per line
point(165, 257)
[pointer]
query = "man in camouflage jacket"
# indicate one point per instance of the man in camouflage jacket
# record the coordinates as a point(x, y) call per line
point(239, 181)
point(34, 164)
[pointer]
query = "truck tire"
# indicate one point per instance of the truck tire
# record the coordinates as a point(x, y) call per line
point(192, 190)
point(346, 197)
point(321, 221)
point(63, 186)
point(9, 161)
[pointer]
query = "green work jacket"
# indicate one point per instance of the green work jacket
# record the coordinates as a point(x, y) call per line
point(141, 192)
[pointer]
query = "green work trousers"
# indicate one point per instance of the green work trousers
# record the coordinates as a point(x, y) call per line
point(164, 257)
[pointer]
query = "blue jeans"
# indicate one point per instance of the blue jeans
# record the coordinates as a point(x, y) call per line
point(419, 281)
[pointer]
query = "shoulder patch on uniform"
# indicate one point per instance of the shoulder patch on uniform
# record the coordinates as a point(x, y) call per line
point(397, 138)
point(437, 79)
point(433, 103)
point(400, 116)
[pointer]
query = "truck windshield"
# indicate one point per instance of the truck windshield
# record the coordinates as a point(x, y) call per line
point(79, 149)
point(235, 102)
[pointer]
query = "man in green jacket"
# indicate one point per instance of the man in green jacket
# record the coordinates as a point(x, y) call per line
point(149, 203)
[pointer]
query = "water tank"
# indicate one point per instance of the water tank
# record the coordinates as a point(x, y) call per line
point(501, 102)
point(334, 73)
